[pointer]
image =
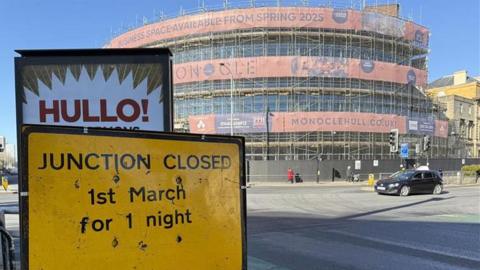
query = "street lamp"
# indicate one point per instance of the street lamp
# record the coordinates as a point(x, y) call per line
point(267, 116)
point(231, 96)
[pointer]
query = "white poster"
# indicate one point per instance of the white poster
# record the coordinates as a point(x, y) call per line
point(412, 125)
point(358, 164)
point(124, 96)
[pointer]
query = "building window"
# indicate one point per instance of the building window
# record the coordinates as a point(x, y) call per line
point(462, 128)
point(470, 130)
point(461, 108)
point(470, 110)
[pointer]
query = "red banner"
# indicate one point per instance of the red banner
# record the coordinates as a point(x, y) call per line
point(202, 124)
point(441, 128)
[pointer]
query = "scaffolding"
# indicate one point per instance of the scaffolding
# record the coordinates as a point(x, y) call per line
point(305, 94)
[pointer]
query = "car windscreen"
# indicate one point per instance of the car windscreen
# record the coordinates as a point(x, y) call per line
point(402, 175)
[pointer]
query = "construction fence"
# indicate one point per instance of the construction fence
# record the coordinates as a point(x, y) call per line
point(321, 170)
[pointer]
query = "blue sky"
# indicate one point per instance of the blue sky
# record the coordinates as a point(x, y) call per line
point(41, 24)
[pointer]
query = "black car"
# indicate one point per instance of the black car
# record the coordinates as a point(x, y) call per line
point(408, 182)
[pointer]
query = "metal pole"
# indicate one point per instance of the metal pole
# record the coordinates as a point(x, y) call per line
point(331, 154)
point(333, 134)
point(231, 103)
point(446, 153)
point(231, 96)
point(268, 133)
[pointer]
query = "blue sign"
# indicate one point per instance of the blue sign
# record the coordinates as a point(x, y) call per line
point(242, 123)
point(404, 150)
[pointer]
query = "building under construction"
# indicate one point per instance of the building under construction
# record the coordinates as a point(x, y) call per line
point(300, 82)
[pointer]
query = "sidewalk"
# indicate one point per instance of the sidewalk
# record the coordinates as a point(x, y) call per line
point(363, 184)
point(339, 183)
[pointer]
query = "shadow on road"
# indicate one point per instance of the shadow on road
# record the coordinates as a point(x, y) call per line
point(393, 208)
point(301, 242)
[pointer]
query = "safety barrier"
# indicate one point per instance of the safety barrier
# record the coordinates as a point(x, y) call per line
point(7, 244)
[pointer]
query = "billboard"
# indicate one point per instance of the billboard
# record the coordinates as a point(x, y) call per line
point(337, 121)
point(127, 89)
point(281, 122)
point(221, 123)
point(242, 123)
point(441, 128)
point(269, 17)
point(107, 199)
point(425, 126)
point(202, 124)
point(296, 66)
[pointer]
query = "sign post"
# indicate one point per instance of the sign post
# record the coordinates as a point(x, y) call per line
point(107, 199)
point(126, 89)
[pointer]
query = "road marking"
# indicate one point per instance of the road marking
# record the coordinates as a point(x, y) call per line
point(255, 263)
point(403, 245)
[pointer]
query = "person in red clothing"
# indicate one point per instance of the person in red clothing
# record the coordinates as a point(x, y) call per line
point(290, 175)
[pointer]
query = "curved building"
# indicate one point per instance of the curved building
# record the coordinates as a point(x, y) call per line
point(300, 82)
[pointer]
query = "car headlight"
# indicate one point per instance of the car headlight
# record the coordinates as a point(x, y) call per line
point(393, 185)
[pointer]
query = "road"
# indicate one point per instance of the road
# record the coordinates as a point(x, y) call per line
point(347, 228)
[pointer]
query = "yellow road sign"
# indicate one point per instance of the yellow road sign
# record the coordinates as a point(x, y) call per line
point(124, 200)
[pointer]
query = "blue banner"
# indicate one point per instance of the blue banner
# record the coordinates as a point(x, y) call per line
point(425, 126)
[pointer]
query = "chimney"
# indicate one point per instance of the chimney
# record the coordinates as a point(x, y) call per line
point(459, 77)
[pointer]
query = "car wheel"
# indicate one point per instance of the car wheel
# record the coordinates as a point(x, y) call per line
point(405, 191)
point(438, 189)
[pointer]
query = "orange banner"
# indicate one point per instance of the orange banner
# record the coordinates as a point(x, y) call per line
point(292, 66)
point(337, 121)
point(267, 17)
point(441, 128)
point(202, 124)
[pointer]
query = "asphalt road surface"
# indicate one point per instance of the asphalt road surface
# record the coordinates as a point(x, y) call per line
point(348, 228)
point(345, 227)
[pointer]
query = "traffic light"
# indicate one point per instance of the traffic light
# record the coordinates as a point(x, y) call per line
point(393, 140)
point(426, 143)
point(2, 143)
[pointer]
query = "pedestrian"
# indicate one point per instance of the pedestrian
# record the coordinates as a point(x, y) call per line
point(478, 176)
point(290, 175)
point(349, 173)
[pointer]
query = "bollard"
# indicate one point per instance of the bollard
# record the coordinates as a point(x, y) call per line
point(371, 179)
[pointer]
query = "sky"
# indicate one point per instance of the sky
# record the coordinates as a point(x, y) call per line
point(51, 24)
